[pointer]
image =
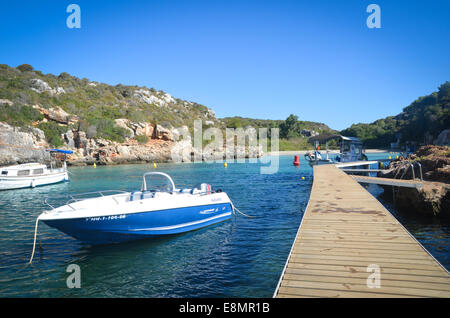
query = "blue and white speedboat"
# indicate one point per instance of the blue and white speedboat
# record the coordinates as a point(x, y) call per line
point(158, 208)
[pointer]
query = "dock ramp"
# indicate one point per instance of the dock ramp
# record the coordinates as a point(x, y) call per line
point(349, 245)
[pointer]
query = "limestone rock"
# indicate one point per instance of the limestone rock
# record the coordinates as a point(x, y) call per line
point(80, 139)
point(41, 86)
point(146, 96)
point(6, 101)
point(21, 146)
point(143, 129)
point(122, 122)
point(162, 133)
point(68, 137)
point(56, 114)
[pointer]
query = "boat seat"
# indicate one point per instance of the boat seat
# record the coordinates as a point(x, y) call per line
point(147, 195)
point(184, 190)
point(140, 195)
point(135, 195)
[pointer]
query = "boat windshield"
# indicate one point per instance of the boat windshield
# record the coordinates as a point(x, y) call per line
point(157, 181)
point(345, 147)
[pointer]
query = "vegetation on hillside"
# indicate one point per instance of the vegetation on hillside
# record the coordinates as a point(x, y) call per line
point(420, 122)
point(293, 133)
point(95, 105)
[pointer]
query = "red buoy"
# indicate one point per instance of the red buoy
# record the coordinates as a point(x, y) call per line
point(296, 161)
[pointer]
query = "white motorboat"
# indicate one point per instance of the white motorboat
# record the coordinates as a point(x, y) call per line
point(158, 208)
point(351, 149)
point(30, 175)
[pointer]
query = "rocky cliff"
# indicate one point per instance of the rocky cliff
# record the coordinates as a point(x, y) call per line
point(99, 122)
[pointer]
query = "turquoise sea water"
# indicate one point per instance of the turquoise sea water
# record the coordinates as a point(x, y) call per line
point(243, 257)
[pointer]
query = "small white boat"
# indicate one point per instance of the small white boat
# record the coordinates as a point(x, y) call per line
point(30, 175)
point(351, 149)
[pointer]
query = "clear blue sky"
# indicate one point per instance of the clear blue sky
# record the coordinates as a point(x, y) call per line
point(261, 59)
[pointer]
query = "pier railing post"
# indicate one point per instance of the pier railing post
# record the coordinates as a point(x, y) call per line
point(412, 168)
point(420, 170)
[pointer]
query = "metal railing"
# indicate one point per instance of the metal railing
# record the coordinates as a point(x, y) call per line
point(410, 165)
point(412, 169)
point(83, 196)
point(72, 198)
point(420, 169)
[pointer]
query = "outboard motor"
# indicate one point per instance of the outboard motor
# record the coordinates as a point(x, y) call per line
point(205, 188)
point(202, 188)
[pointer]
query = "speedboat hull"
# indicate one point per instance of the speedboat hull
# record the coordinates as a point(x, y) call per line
point(116, 228)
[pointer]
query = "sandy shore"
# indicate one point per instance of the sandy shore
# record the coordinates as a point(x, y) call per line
point(302, 152)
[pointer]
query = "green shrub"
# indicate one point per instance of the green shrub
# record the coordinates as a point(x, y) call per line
point(25, 67)
point(107, 129)
point(53, 133)
point(293, 144)
point(19, 115)
point(142, 139)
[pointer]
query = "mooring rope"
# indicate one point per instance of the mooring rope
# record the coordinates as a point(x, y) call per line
point(34, 243)
point(236, 209)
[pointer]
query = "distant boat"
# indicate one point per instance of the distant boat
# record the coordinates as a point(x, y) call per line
point(158, 208)
point(30, 175)
point(351, 149)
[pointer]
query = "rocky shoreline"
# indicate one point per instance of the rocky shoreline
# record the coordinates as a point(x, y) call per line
point(160, 144)
point(434, 198)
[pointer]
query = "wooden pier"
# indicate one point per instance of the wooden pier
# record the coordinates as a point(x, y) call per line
point(349, 245)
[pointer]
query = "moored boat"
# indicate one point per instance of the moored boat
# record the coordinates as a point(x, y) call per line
point(351, 149)
point(158, 208)
point(30, 175)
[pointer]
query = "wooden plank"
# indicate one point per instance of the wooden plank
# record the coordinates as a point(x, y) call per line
point(351, 268)
point(363, 274)
point(361, 252)
point(353, 231)
point(381, 263)
point(362, 281)
point(355, 242)
point(359, 238)
point(366, 258)
point(353, 245)
point(313, 292)
point(364, 288)
point(389, 181)
point(360, 226)
point(344, 230)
